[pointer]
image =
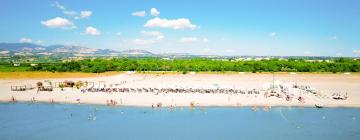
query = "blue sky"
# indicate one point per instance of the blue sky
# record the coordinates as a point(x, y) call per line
point(222, 27)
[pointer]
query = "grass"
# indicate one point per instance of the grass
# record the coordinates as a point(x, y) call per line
point(13, 69)
point(41, 75)
point(37, 75)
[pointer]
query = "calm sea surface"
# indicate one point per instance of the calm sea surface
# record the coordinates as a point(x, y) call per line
point(90, 122)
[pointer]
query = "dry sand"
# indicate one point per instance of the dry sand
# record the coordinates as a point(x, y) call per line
point(326, 84)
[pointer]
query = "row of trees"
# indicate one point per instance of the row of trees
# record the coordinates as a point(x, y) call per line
point(200, 64)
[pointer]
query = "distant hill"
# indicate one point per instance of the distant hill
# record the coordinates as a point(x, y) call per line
point(10, 49)
point(136, 52)
point(29, 49)
point(20, 47)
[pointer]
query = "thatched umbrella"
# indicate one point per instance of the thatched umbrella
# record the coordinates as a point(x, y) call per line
point(79, 84)
point(69, 83)
point(39, 84)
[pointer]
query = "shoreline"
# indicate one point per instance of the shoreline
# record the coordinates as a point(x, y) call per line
point(167, 107)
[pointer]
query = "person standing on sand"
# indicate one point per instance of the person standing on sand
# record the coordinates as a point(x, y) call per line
point(13, 99)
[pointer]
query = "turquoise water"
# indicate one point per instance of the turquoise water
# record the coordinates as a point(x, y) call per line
point(70, 122)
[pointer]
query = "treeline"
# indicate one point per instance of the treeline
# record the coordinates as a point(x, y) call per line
point(200, 64)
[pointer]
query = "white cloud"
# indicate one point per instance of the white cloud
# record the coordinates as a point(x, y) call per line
point(139, 13)
point(333, 38)
point(154, 12)
point(140, 41)
point(151, 37)
point(29, 40)
point(63, 9)
point(188, 39)
point(356, 51)
point(25, 40)
point(151, 33)
point(193, 40)
point(181, 23)
point(59, 6)
point(72, 13)
point(58, 22)
point(92, 31)
point(118, 33)
point(39, 42)
point(205, 40)
point(85, 14)
point(272, 34)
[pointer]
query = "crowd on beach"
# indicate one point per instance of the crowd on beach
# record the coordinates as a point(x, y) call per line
point(279, 90)
point(172, 90)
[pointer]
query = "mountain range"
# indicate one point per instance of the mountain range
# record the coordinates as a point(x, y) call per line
point(29, 49)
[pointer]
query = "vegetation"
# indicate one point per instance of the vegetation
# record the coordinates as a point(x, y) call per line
point(61, 85)
point(50, 75)
point(194, 64)
point(78, 84)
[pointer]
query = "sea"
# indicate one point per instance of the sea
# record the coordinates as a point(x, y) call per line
point(42, 121)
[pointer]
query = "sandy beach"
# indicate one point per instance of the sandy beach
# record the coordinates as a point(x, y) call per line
point(325, 86)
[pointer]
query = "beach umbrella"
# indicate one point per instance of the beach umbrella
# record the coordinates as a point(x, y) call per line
point(39, 84)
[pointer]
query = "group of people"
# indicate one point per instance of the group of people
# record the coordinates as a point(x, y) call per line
point(281, 91)
point(305, 88)
point(338, 96)
point(18, 88)
point(173, 90)
point(111, 102)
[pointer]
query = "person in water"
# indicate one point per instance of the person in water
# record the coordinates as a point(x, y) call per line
point(33, 99)
point(52, 101)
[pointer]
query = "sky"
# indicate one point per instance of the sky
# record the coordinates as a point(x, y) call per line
point(216, 27)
